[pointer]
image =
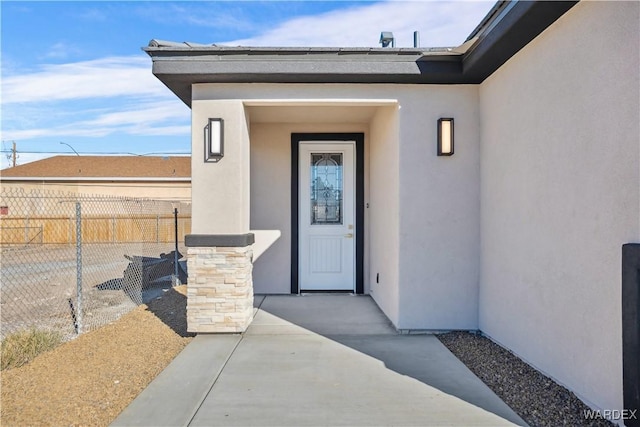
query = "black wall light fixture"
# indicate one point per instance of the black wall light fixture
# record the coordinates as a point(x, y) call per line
point(214, 140)
point(445, 137)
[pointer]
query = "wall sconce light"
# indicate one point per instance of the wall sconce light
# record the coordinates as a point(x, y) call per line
point(445, 137)
point(214, 140)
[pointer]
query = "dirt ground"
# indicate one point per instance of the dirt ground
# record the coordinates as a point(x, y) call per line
point(90, 380)
point(39, 286)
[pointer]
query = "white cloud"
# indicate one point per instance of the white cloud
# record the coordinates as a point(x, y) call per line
point(439, 24)
point(99, 78)
point(145, 118)
point(61, 50)
point(205, 14)
point(93, 99)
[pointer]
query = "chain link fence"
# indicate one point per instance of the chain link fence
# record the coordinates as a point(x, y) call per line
point(73, 262)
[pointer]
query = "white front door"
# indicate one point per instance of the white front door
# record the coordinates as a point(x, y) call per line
point(327, 216)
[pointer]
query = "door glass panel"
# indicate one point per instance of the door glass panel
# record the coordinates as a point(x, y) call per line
point(326, 188)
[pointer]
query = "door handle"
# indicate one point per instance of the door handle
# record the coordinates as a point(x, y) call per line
point(349, 235)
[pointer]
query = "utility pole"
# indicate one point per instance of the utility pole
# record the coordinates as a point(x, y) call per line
point(13, 154)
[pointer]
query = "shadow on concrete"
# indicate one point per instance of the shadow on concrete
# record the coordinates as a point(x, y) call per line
point(357, 322)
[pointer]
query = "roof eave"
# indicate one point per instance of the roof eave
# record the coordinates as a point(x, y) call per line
point(511, 26)
point(506, 29)
point(180, 72)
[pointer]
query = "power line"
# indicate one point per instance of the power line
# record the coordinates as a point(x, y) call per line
point(11, 154)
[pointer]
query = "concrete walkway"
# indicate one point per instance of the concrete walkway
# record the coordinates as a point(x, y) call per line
point(317, 360)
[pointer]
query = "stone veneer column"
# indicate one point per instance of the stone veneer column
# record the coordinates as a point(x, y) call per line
point(219, 285)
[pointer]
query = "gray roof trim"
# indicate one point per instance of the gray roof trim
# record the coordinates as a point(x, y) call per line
point(191, 49)
point(180, 68)
point(490, 18)
point(507, 28)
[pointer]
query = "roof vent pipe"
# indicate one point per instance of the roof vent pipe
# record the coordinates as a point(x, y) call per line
point(416, 39)
point(386, 39)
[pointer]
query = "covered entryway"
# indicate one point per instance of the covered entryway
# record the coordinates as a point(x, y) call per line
point(253, 223)
point(315, 164)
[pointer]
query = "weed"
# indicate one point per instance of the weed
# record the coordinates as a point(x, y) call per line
point(22, 347)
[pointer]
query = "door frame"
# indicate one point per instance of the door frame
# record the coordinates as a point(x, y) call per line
point(296, 138)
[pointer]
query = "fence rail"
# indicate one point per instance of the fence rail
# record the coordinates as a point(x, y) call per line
point(126, 254)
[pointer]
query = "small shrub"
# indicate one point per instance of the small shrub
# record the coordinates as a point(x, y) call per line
point(22, 347)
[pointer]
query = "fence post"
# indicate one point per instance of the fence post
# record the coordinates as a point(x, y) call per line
point(175, 261)
point(79, 267)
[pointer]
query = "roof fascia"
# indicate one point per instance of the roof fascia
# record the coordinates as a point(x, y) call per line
point(180, 72)
point(511, 26)
point(507, 28)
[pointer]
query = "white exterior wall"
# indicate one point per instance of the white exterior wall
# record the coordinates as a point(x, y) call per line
point(560, 195)
point(220, 191)
point(384, 212)
point(423, 211)
point(439, 210)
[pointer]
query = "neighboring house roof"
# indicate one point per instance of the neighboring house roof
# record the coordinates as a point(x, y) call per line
point(100, 168)
point(507, 28)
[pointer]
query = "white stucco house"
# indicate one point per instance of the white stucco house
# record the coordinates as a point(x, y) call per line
point(318, 169)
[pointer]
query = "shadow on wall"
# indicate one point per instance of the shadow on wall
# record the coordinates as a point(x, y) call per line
point(264, 240)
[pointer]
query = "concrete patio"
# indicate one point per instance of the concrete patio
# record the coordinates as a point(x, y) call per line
point(317, 360)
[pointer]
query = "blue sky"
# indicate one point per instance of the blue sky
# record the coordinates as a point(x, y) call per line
point(74, 72)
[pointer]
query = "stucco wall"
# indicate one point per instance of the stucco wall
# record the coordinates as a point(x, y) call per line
point(422, 227)
point(384, 212)
point(220, 191)
point(439, 210)
point(559, 184)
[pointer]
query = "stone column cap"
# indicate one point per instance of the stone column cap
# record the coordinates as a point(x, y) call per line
point(219, 240)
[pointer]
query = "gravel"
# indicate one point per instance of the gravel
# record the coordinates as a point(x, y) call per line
point(538, 399)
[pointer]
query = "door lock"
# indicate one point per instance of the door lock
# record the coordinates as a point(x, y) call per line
point(349, 235)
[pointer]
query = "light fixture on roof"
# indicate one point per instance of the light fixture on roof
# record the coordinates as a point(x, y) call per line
point(214, 140)
point(445, 137)
point(386, 39)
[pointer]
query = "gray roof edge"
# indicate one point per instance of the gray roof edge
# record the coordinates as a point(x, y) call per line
point(489, 18)
point(507, 28)
point(187, 49)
